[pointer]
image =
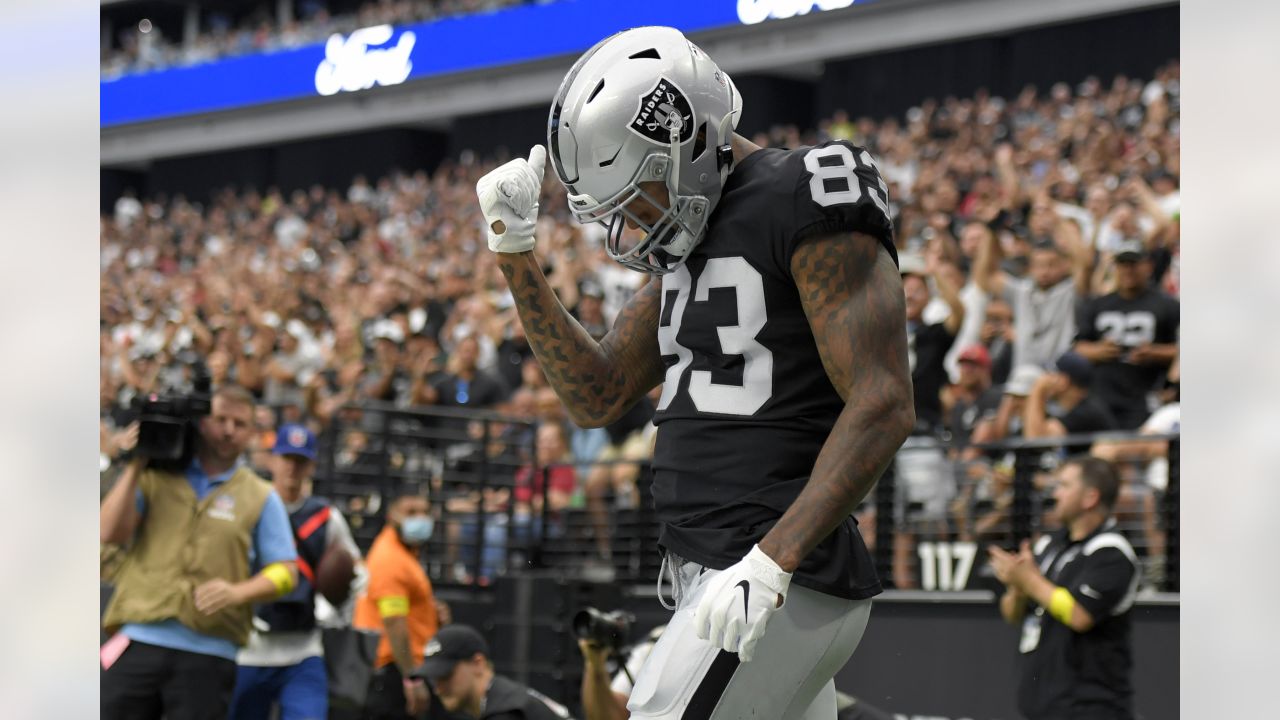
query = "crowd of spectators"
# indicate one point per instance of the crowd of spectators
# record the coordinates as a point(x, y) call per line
point(134, 49)
point(1039, 238)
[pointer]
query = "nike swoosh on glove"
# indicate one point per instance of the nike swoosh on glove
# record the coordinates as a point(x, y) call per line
point(509, 201)
point(738, 602)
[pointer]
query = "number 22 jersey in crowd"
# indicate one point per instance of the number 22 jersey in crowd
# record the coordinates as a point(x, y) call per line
point(746, 403)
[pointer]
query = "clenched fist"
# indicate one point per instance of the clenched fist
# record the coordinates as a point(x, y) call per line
point(509, 201)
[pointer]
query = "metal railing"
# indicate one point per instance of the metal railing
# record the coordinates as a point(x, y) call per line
point(372, 452)
point(927, 522)
point(1001, 494)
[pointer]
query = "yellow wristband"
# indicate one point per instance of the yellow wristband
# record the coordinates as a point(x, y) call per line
point(393, 606)
point(1061, 603)
point(279, 576)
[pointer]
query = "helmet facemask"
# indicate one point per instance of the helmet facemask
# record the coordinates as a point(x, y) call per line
point(668, 239)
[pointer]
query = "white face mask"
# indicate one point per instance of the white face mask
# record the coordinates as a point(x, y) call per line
point(416, 530)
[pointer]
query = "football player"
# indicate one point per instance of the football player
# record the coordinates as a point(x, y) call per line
point(775, 323)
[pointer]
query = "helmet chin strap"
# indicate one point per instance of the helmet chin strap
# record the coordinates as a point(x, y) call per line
point(674, 124)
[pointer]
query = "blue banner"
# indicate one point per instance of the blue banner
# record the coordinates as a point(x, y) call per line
point(383, 55)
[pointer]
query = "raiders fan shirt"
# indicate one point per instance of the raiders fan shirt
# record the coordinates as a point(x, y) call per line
point(746, 404)
point(1151, 317)
point(1066, 674)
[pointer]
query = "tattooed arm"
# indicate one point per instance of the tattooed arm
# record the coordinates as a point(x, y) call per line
point(852, 295)
point(597, 382)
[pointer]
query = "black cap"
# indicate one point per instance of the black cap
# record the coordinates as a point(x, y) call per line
point(451, 644)
point(1076, 367)
point(1130, 250)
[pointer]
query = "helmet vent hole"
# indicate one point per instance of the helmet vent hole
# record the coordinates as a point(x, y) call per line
point(700, 142)
point(651, 54)
point(607, 163)
point(596, 92)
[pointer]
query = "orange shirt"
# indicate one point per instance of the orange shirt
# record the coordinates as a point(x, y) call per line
point(397, 586)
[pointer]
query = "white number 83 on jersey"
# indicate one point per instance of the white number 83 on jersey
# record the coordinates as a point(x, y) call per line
point(835, 163)
point(740, 339)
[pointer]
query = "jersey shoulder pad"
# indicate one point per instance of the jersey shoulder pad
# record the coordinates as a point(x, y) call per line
point(839, 183)
point(838, 188)
point(784, 197)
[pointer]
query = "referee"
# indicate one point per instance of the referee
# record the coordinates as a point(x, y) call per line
point(1072, 598)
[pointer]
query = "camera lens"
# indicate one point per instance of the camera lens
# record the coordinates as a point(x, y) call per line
point(605, 629)
point(582, 623)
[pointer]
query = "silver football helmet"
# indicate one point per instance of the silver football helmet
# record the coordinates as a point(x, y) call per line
point(644, 105)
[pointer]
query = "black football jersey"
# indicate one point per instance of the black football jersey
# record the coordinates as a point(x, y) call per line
point(746, 404)
point(1152, 317)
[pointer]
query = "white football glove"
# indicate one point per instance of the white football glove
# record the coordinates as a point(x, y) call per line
point(737, 603)
point(509, 201)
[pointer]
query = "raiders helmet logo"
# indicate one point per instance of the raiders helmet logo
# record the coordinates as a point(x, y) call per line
point(661, 109)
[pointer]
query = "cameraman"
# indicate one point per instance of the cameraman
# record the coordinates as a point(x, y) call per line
point(184, 594)
point(464, 686)
point(604, 698)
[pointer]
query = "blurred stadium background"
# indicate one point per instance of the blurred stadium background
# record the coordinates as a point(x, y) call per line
point(287, 196)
